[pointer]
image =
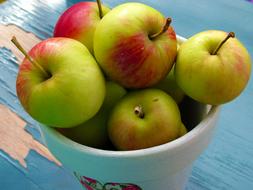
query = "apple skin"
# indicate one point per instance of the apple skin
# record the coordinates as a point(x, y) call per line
point(72, 94)
point(93, 132)
point(183, 130)
point(124, 50)
point(161, 122)
point(79, 22)
point(169, 85)
point(212, 79)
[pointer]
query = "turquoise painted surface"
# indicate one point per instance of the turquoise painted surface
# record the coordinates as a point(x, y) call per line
point(226, 164)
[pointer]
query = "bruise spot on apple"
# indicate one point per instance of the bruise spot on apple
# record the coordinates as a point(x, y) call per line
point(155, 99)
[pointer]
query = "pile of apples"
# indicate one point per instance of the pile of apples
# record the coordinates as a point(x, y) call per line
point(117, 76)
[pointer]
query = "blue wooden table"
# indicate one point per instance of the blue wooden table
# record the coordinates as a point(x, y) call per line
point(25, 163)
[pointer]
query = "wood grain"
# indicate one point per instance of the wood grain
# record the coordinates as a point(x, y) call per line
point(31, 167)
point(14, 140)
point(26, 39)
point(17, 142)
point(227, 164)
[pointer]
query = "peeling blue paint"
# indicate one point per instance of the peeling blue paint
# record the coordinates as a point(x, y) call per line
point(227, 163)
point(40, 173)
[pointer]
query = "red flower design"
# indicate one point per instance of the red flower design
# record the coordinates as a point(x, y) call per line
point(92, 184)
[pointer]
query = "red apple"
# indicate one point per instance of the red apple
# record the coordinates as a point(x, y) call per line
point(183, 130)
point(59, 83)
point(169, 85)
point(213, 67)
point(134, 45)
point(93, 132)
point(143, 119)
point(79, 22)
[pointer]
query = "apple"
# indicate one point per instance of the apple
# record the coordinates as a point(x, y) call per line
point(169, 85)
point(183, 130)
point(93, 132)
point(143, 119)
point(59, 83)
point(134, 45)
point(80, 21)
point(213, 67)
point(192, 112)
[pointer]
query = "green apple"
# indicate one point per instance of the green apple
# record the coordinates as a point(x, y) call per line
point(93, 132)
point(134, 45)
point(169, 85)
point(212, 67)
point(192, 112)
point(80, 21)
point(143, 119)
point(59, 83)
point(183, 130)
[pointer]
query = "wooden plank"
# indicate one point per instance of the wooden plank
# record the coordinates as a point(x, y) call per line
point(29, 165)
point(14, 140)
point(227, 164)
point(26, 39)
point(17, 142)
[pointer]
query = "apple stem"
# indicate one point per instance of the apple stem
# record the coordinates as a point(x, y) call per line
point(100, 8)
point(17, 44)
point(230, 35)
point(139, 111)
point(164, 29)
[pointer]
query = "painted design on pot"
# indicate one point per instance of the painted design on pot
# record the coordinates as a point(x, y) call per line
point(92, 184)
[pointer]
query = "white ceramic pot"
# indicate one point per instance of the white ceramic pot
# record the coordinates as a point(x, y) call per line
point(164, 167)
